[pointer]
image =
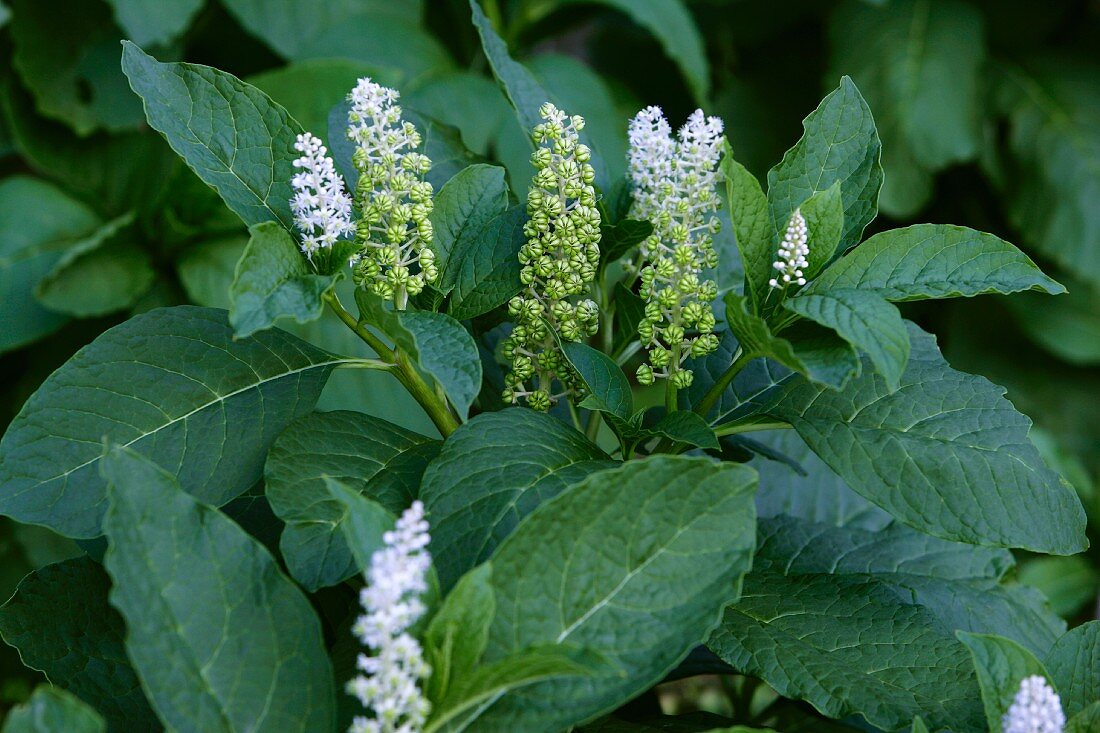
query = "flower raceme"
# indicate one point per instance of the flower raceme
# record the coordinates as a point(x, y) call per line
point(674, 189)
point(389, 685)
point(321, 205)
point(559, 261)
point(1035, 709)
point(793, 250)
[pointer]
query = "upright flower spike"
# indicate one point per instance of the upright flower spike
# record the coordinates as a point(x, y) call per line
point(390, 684)
point(396, 259)
point(674, 189)
point(793, 251)
point(1035, 709)
point(559, 262)
point(321, 206)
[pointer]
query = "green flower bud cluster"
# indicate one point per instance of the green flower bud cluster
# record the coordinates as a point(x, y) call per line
point(394, 231)
point(559, 261)
point(675, 190)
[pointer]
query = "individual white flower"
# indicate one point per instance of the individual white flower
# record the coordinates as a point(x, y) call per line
point(394, 232)
point(674, 189)
point(321, 206)
point(389, 685)
point(793, 251)
point(559, 261)
point(1036, 709)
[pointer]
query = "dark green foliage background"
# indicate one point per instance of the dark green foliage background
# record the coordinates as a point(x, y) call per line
point(989, 113)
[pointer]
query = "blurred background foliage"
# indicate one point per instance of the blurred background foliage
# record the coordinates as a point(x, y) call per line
point(989, 113)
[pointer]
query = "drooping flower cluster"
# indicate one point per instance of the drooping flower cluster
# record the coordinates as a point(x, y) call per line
point(793, 251)
point(390, 684)
point(559, 261)
point(674, 189)
point(394, 200)
point(321, 205)
point(1035, 709)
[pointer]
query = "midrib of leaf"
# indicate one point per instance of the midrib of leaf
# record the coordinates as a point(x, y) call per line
point(217, 400)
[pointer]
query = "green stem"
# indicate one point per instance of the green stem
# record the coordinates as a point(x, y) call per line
point(367, 364)
point(592, 429)
point(750, 427)
point(398, 362)
point(740, 360)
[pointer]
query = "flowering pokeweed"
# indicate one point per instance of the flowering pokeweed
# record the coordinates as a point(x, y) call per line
point(559, 261)
point(1035, 709)
point(793, 250)
point(389, 685)
point(674, 189)
point(321, 205)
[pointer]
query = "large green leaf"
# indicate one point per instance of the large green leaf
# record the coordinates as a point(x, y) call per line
point(37, 224)
point(752, 227)
point(934, 261)
point(489, 273)
point(459, 631)
point(1001, 664)
point(462, 208)
point(466, 100)
point(1053, 180)
point(751, 386)
point(945, 453)
point(492, 472)
point(61, 623)
point(382, 461)
point(861, 621)
point(655, 546)
point(1069, 326)
point(221, 639)
point(373, 31)
point(51, 710)
point(149, 22)
point(437, 343)
point(172, 384)
point(606, 387)
point(1074, 665)
point(839, 144)
point(71, 68)
point(363, 522)
point(273, 281)
point(230, 133)
point(919, 63)
point(865, 320)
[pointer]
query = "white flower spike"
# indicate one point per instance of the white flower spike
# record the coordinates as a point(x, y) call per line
point(1036, 709)
point(321, 205)
point(793, 250)
point(390, 683)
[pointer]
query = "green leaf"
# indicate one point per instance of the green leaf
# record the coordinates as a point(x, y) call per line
point(372, 31)
point(459, 631)
point(816, 352)
point(465, 204)
point(273, 281)
point(752, 227)
point(616, 240)
point(860, 621)
point(152, 23)
point(230, 133)
point(839, 144)
point(363, 522)
point(50, 710)
point(221, 639)
point(71, 68)
point(945, 453)
point(308, 89)
point(670, 23)
point(1001, 664)
point(371, 456)
point(1086, 721)
point(206, 269)
point(471, 695)
point(37, 224)
point(493, 471)
point(656, 546)
point(108, 271)
point(918, 726)
point(438, 343)
point(1074, 664)
point(1068, 327)
point(863, 319)
point(62, 625)
point(172, 384)
point(489, 272)
point(1053, 179)
point(606, 387)
point(1068, 583)
point(629, 311)
point(697, 722)
point(466, 100)
point(684, 426)
point(919, 63)
point(824, 214)
point(934, 261)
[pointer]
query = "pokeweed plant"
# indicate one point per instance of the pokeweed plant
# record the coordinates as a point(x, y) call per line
point(821, 504)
